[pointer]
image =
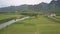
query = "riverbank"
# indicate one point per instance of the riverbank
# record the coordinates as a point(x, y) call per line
point(7, 17)
point(39, 25)
point(3, 25)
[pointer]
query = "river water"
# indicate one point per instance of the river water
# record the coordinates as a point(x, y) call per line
point(3, 25)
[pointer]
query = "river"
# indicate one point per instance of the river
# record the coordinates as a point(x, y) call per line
point(3, 25)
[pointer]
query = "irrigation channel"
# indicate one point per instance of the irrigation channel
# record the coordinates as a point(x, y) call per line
point(3, 25)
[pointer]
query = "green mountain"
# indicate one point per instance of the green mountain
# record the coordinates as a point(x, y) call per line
point(53, 6)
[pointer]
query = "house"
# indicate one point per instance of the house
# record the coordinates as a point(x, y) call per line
point(52, 15)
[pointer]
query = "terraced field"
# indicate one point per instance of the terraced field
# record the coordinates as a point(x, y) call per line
point(39, 25)
point(55, 19)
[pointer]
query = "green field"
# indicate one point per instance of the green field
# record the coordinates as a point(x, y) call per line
point(7, 17)
point(39, 25)
point(55, 19)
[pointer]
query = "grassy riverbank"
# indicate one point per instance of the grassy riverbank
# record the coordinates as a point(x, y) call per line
point(39, 25)
point(7, 17)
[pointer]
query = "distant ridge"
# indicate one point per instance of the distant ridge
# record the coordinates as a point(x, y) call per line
point(53, 6)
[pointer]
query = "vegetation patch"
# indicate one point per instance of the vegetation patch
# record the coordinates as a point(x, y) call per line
point(7, 17)
point(39, 25)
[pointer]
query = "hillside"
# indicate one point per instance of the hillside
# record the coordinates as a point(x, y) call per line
point(53, 6)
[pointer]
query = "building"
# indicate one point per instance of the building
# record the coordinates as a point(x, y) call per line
point(52, 15)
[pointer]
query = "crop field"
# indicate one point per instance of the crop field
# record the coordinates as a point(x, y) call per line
point(39, 25)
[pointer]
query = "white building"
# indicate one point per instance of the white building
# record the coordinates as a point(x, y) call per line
point(52, 15)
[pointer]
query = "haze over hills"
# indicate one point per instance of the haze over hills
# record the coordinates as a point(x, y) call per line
point(53, 6)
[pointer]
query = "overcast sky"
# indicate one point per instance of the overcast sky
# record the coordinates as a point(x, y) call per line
point(4, 3)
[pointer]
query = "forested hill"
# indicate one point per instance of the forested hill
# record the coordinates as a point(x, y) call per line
point(53, 6)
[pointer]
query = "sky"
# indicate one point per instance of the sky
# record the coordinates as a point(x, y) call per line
point(5, 3)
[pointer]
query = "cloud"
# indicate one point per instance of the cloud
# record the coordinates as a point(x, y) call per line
point(20, 2)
